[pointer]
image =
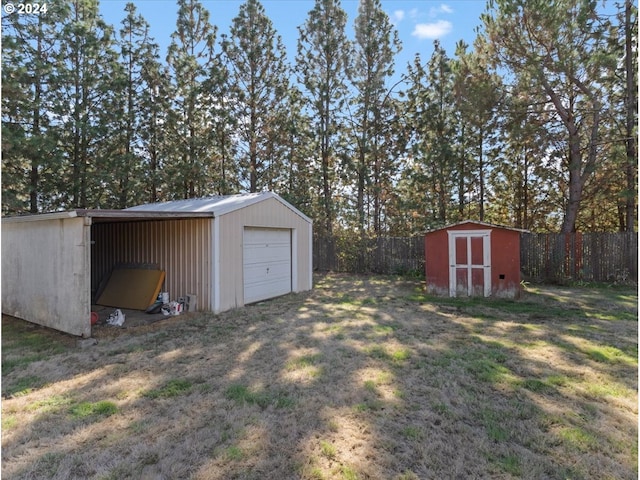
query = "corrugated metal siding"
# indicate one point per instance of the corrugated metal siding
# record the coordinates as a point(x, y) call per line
point(267, 214)
point(180, 247)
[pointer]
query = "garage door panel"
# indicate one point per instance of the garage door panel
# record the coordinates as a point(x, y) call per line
point(266, 263)
point(259, 236)
point(262, 273)
point(267, 253)
point(271, 279)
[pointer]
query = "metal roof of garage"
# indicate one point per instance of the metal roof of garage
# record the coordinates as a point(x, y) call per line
point(218, 205)
point(188, 208)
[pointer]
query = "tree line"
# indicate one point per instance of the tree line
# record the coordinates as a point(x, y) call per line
point(533, 126)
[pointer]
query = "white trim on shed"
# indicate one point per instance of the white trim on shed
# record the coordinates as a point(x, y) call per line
point(468, 266)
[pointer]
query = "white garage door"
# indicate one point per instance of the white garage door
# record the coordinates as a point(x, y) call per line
point(266, 263)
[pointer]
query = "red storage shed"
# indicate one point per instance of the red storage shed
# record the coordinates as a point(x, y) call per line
point(473, 259)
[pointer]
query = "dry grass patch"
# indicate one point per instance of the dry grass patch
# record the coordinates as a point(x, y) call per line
point(362, 378)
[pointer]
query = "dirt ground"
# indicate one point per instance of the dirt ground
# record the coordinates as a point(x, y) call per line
point(361, 378)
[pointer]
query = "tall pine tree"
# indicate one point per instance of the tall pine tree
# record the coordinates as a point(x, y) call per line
point(84, 82)
point(432, 114)
point(29, 145)
point(477, 93)
point(322, 63)
point(258, 81)
point(561, 48)
point(138, 53)
point(191, 58)
point(376, 44)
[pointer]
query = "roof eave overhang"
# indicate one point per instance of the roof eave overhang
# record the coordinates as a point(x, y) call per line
point(104, 216)
point(484, 224)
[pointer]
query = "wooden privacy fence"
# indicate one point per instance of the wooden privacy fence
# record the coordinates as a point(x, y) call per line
point(544, 257)
point(385, 255)
point(592, 257)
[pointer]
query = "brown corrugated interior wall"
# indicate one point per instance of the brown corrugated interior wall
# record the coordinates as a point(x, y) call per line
point(180, 247)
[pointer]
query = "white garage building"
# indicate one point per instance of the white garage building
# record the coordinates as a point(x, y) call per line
point(227, 251)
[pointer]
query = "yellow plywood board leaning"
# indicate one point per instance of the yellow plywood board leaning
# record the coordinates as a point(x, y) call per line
point(132, 288)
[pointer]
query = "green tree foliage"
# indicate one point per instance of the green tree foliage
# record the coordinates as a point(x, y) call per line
point(560, 47)
point(29, 44)
point(153, 109)
point(431, 111)
point(376, 44)
point(191, 59)
point(616, 188)
point(138, 54)
point(525, 175)
point(224, 165)
point(630, 109)
point(297, 154)
point(322, 64)
point(85, 81)
point(258, 85)
point(534, 125)
point(477, 93)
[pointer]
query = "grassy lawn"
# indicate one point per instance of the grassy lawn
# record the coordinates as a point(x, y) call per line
point(362, 378)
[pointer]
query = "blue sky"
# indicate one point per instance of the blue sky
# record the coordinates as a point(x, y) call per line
point(418, 22)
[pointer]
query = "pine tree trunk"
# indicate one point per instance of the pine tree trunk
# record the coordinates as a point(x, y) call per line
point(631, 108)
point(34, 176)
point(481, 175)
point(575, 188)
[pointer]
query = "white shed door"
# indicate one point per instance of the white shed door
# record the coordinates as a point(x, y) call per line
point(469, 262)
point(266, 263)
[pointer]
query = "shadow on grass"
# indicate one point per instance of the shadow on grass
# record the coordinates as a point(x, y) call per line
point(365, 377)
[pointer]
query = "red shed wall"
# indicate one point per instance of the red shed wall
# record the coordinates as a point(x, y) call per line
point(505, 263)
point(436, 262)
point(505, 260)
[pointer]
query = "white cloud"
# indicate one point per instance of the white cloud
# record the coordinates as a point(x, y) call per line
point(443, 8)
point(432, 30)
point(398, 16)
